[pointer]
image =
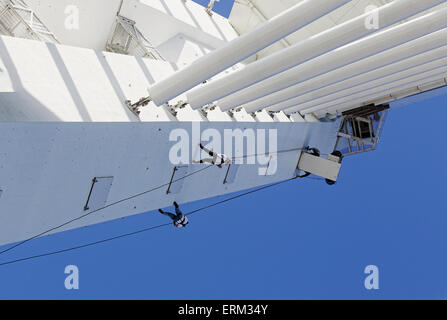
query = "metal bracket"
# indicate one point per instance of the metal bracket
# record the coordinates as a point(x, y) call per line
point(226, 174)
point(361, 129)
point(94, 180)
point(204, 113)
point(210, 7)
point(173, 108)
point(170, 181)
point(207, 108)
point(135, 107)
point(180, 105)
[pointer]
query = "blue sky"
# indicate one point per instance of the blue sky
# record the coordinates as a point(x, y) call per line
point(301, 240)
point(223, 7)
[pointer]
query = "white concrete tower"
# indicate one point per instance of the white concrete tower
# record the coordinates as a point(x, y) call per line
point(103, 103)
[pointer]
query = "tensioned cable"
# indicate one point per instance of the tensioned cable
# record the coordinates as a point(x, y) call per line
point(99, 209)
point(83, 246)
point(269, 153)
point(118, 202)
point(142, 230)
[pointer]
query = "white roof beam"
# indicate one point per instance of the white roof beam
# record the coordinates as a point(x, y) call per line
point(344, 56)
point(411, 53)
point(368, 96)
point(359, 90)
point(241, 48)
point(289, 58)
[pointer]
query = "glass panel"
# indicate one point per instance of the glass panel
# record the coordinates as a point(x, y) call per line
point(231, 173)
point(99, 193)
point(177, 180)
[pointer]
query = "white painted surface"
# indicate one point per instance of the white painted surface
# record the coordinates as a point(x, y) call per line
point(63, 120)
point(415, 91)
point(241, 48)
point(437, 64)
point(340, 78)
point(390, 89)
point(39, 160)
point(62, 83)
point(68, 84)
point(159, 20)
point(95, 17)
point(281, 87)
point(230, 88)
point(243, 17)
point(243, 116)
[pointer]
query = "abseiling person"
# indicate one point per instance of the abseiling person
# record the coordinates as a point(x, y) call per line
point(179, 219)
point(216, 158)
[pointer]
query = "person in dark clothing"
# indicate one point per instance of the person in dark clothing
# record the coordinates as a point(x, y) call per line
point(179, 219)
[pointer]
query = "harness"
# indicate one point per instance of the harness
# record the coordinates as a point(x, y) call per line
point(217, 157)
point(182, 222)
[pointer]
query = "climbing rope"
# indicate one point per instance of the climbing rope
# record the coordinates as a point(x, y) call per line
point(133, 197)
point(51, 253)
point(99, 209)
point(268, 153)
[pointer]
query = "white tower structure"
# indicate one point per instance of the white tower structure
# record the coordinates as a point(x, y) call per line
point(103, 104)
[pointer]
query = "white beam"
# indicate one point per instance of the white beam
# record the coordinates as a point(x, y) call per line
point(414, 51)
point(390, 81)
point(284, 83)
point(418, 64)
point(253, 7)
point(383, 90)
point(241, 48)
point(297, 54)
point(407, 91)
